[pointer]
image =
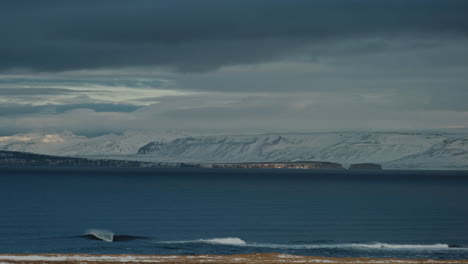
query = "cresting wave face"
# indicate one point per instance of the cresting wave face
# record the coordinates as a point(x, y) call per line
point(109, 236)
point(99, 234)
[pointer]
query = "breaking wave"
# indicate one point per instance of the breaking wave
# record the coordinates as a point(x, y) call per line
point(358, 246)
point(109, 236)
point(233, 241)
point(99, 234)
point(361, 246)
point(396, 246)
point(224, 241)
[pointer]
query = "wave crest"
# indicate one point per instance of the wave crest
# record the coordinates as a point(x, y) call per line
point(361, 246)
point(403, 246)
point(104, 235)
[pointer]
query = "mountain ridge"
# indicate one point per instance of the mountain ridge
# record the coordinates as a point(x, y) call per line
point(394, 150)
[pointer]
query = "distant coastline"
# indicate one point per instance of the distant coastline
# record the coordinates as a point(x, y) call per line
point(23, 159)
point(393, 150)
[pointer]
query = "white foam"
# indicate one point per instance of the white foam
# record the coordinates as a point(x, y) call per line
point(234, 241)
point(299, 259)
point(287, 256)
point(104, 235)
point(224, 241)
point(363, 246)
point(400, 246)
point(62, 258)
point(201, 258)
point(239, 259)
point(357, 246)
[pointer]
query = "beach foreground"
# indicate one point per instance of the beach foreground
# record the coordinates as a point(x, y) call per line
point(263, 258)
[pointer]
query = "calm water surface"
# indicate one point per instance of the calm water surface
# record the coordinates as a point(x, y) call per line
point(405, 214)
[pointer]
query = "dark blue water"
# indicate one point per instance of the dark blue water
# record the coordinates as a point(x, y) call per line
point(404, 214)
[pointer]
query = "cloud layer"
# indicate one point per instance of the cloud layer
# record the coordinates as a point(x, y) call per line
point(197, 36)
point(248, 65)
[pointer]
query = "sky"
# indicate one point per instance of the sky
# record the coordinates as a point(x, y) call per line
point(98, 66)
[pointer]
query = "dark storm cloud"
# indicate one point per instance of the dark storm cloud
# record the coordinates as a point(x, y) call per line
point(38, 91)
point(83, 82)
point(202, 35)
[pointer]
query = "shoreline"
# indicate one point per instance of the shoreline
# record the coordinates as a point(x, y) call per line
point(255, 258)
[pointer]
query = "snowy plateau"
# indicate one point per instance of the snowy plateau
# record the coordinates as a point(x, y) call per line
point(416, 150)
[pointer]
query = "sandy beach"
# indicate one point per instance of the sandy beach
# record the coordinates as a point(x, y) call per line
point(264, 258)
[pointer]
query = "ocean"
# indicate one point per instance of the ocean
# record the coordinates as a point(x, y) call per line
point(342, 213)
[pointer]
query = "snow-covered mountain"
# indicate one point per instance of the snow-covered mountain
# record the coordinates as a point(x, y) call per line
point(393, 150)
point(429, 150)
point(69, 144)
point(450, 153)
point(42, 143)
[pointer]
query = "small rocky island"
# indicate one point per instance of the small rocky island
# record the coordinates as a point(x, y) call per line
point(365, 166)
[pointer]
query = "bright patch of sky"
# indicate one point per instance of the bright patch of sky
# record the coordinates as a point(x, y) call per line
point(49, 91)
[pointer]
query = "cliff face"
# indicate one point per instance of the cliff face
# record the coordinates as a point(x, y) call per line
point(279, 165)
point(151, 147)
point(22, 159)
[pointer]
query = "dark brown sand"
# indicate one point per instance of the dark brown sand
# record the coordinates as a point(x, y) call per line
point(264, 258)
